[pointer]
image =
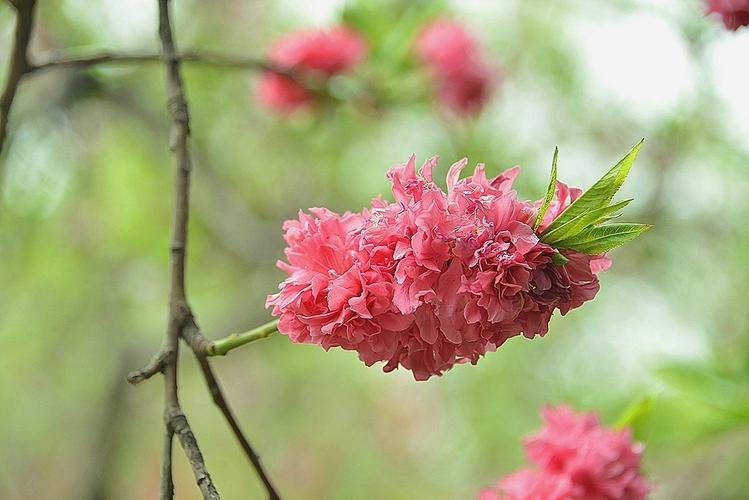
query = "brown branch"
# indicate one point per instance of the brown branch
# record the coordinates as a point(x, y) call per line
point(220, 401)
point(167, 483)
point(153, 367)
point(181, 323)
point(177, 422)
point(108, 57)
point(20, 66)
point(201, 347)
point(19, 62)
point(315, 84)
point(179, 311)
point(192, 335)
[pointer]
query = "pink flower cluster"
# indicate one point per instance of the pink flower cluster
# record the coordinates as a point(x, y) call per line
point(428, 281)
point(464, 80)
point(311, 53)
point(435, 278)
point(735, 13)
point(577, 459)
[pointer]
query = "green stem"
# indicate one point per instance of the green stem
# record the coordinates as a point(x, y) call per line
point(222, 346)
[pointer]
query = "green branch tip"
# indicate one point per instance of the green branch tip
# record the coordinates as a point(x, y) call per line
point(223, 346)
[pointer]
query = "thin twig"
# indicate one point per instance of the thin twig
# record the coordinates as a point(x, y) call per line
point(220, 401)
point(179, 311)
point(108, 57)
point(20, 66)
point(19, 62)
point(202, 347)
point(222, 346)
point(153, 367)
point(181, 323)
point(312, 83)
point(217, 60)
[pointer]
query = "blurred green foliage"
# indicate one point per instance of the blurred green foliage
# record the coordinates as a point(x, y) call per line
point(84, 225)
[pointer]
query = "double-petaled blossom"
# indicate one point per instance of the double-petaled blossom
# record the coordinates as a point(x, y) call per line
point(319, 53)
point(576, 458)
point(463, 78)
point(735, 13)
point(432, 279)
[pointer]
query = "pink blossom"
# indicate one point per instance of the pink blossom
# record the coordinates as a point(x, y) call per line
point(735, 13)
point(464, 80)
point(531, 485)
point(316, 53)
point(281, 93)
point(433, 279)
point(577, 459)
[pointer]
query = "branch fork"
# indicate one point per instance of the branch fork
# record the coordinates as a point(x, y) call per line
point(181, 323)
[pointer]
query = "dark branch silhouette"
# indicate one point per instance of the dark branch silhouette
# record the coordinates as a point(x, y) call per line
point(180, 324)
point(175, 420)
point(19, 62)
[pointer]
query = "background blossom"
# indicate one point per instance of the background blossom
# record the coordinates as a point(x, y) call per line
point(316, 52)
point(463, 78)
point(735, 13)
point(577, 459)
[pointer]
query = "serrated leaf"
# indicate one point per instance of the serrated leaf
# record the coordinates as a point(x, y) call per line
point(558, 259)
point(597, 196)
point(550, 190)
point(607, 218)
point(587, 219)
point(600, 239)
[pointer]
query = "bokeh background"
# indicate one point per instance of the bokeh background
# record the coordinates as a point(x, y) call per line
point(85, 223)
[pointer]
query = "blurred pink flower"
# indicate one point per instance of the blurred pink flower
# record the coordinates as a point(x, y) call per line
point(434, 279)
point(464, 80)
point(735, 13)
point(330, 52)
point(529, 485)
point(281, 93)
point(578, 459)
point(317, 53)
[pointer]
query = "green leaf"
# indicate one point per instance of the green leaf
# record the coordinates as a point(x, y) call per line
point(611, 213)
point(600, 239)
point(587, 219)
point(597, 196)
point(558, 259)
point(550, 190)
point(634, 413)
point(607, 218)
